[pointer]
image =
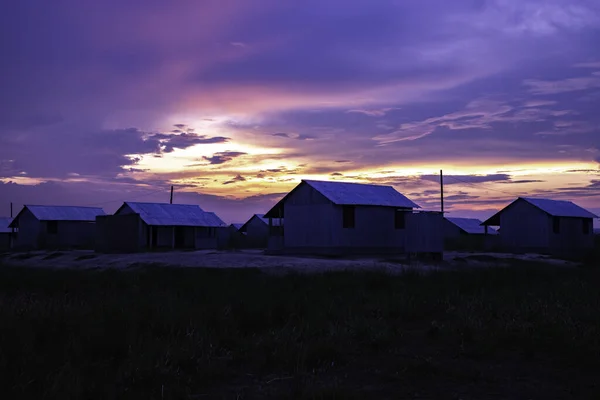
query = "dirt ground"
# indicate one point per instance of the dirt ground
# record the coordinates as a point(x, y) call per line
point(83, 259)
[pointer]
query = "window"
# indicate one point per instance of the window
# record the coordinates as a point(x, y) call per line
point(348, 216)
point(52, 227)
point(586, 227)
point(400, 219)
point(211, 232)
point(556, 225)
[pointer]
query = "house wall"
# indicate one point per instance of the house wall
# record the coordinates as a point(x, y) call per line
point(119, 233)
point(70, 234)
point(424, 233)
point(4, 242)
point(571, 238)
point(524, 227)
point(257, 233)
point(207, 238)
point(228, 237)
point(29, 233)
point(456, 239)
point(33, 234)
point(164, 236)
point(451, 231)
point(313, 224)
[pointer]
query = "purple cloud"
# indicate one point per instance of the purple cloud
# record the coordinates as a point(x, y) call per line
point(223, 157)
point(235, 179)
point(389, 84)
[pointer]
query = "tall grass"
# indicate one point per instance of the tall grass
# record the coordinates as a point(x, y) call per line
point(192, 333)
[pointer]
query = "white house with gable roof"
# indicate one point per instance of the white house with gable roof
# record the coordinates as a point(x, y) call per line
point(53, 227)
point(545, 226)
point(256, 230)
point(139, 226)
point(468, 234)
point(321, 217)
point(6, 234)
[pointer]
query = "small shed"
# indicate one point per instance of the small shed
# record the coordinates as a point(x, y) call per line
point(55, 227)
point(545, 226)
point(5, 234)
point(257, 229)
point(468, 234)
point(139, 226)
point(338, 218)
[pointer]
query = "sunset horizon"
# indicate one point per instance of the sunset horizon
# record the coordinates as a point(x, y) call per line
point(234, 105)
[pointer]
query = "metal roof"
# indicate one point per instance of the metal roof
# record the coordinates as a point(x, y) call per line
point(350, 193)
point(360, 194)
point(237, 226)
point(555, 208)
point(4, 225)
point(560, 208)
point(62, 213)
point(165, 214)
point(471, 225)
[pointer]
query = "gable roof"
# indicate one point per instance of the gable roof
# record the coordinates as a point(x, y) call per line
point(560, 208)
point(471, 225)
point(554, 208)
point(237, 226)
point(165, 214)
point(350, 193)
point(61, 213)
point(262, 218)
point(5, 225)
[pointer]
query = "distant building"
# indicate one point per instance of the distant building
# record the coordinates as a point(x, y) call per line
point(237, 226)
point(468, 234)
point(5, 234)
point(544, 226)
point(350, 218)
point(256, 230)
point(55, 227)
point(146, 226)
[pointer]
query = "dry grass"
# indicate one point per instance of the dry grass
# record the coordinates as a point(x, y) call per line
point(155, 333)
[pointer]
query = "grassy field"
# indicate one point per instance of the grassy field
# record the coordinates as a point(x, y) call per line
point(519, 333)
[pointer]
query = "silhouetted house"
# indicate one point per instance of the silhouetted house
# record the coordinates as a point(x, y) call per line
point(55, 227)
point(544, 226)
point(350, 218)
point(256, 230)
point(233, 238)
point(468, 234)
point(145, 226)
point(5, 234)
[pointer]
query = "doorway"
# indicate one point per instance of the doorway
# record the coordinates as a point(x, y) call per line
point(179, 237)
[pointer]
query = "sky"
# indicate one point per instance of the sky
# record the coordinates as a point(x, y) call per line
point(233, 102)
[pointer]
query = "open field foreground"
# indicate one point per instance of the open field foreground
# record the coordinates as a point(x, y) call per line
point(256, 259)
point(193, 333)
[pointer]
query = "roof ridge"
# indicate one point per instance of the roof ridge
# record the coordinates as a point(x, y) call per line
point(346, 182)
point(43, 205)
point(166, 204)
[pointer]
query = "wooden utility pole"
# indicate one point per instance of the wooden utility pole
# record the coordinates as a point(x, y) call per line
point(12, 229)
point(442, 190)
point(171, 201)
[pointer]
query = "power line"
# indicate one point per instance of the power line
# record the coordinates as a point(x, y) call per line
point(481, 186)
